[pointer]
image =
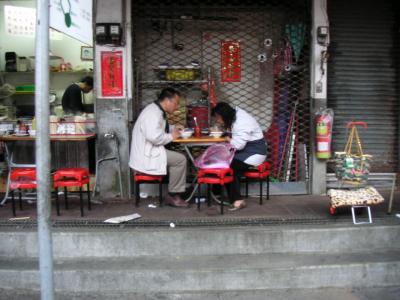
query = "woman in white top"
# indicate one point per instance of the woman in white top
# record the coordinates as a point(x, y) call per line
point(248, 140)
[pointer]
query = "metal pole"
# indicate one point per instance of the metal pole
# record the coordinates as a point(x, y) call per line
point(43, 155)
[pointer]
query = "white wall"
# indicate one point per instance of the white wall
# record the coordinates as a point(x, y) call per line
point(66, 47)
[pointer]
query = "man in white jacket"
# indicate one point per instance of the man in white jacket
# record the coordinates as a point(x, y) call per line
point(150, 135)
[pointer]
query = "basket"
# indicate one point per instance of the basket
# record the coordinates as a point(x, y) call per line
point(353, 167)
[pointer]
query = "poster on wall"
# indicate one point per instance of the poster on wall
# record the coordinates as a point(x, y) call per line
point(112, 74)
point(231, 70)
point(74, 18)
point(20, 22)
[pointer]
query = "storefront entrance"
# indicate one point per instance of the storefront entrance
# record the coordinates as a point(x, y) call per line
point(250, 55)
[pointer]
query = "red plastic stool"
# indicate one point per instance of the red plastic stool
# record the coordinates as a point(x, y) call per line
point(261, 173)
point(21, 178)
point(72, 177)
point(213, 176)
point(147, 178)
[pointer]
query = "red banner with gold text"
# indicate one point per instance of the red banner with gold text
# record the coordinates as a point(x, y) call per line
point(231, 69)
point(112, 80)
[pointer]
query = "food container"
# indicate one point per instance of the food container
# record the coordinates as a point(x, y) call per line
point(176, 73)
point(25, 88)
point(180, 75)
point(216, 134)
point(187, 133)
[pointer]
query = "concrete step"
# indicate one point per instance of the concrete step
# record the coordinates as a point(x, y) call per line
point(210, 273)
point(368, 293)
point(138, 242)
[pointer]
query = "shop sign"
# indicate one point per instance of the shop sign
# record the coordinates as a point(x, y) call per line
point(112, 76)
point(231, 70)
point(73, 17)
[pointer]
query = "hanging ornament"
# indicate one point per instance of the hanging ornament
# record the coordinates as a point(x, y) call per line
point(67, 15)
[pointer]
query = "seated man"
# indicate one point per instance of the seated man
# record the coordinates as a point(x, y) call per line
point(149, 136)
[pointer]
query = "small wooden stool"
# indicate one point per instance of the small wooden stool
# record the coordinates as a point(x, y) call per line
point(214, 176)
point(72, 177)
point(21, 178)
point(147, 178)
point(261, 173)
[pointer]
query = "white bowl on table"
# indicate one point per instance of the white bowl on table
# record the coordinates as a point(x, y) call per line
point(185, 134)
point(216, 134)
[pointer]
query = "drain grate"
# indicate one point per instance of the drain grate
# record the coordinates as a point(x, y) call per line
point(220, 222)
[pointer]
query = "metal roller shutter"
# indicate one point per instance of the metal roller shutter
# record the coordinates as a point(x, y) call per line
point(363, 76)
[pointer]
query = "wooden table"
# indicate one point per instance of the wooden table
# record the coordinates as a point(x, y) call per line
point(9, 141)
point(203, 141)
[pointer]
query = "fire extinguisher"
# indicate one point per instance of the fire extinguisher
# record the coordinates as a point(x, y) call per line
point(324, 122)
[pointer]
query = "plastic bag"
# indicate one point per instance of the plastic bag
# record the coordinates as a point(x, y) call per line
point(216, 156)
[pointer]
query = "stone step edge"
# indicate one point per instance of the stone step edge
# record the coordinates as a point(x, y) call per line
point(268, 261)
point(338, 293)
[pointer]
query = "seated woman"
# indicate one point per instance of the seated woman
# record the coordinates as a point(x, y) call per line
point(248, 140)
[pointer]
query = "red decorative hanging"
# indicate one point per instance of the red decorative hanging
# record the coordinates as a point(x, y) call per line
point(231, 70)
point(112, 83)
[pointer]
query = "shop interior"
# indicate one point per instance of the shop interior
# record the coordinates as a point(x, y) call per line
point(70, 60)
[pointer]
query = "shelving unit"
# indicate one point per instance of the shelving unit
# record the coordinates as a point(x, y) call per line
point(24, 93)
point(185, 86)
point(23, 98)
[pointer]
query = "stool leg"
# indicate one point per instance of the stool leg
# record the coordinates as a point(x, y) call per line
point(222, 199)
point(88, 197)
point(198, 197)
point(20, 199)
point(208, 195)
point(247, 187)
point(268, 187)
point(13, 203)
point(261, 193)
point(160, 194)
point(81, 200)
point(137, 194)
point(66, 197)
point(57, 203)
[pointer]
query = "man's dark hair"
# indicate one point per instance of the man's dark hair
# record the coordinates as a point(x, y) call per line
point(227, 113)
point(88, 80)
point(168, 93)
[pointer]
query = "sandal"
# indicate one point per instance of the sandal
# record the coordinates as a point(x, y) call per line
point(240, 206)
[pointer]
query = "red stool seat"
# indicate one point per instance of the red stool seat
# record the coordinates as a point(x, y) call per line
point(21, 178)
point(21, 173)
point(214, 176)
point(147, 177)
point(68, 177)
point(140, 177)
point(26, 184)
point(81, 175)
point(261, 173)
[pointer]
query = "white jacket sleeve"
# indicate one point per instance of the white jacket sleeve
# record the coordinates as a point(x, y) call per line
point(244, 129)
point(240, 137)
point(154, 132)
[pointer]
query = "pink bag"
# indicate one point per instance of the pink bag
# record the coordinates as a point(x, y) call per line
point(216, 156)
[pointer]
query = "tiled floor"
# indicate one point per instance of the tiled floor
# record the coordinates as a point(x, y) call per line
point(278, 207)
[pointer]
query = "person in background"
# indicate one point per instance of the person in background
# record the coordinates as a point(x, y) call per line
point(150, 135)
point(72, 100)
point(248, 140)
